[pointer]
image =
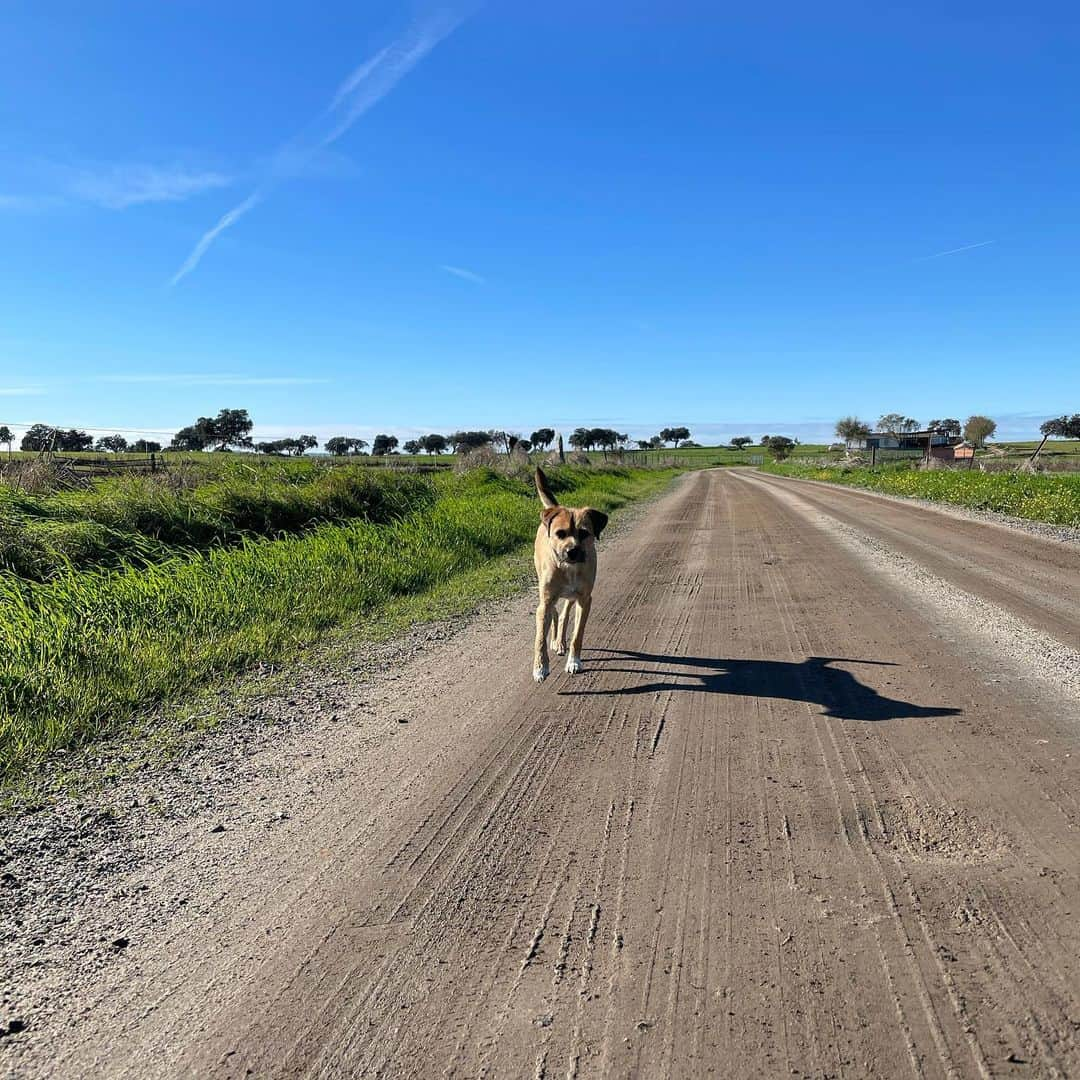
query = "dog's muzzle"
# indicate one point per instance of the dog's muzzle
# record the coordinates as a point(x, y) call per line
point(576, 555)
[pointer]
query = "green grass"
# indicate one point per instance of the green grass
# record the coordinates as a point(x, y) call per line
point(147, 518)
point(89, 648)
point(1049, 497)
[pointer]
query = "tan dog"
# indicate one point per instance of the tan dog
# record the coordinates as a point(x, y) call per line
point(565, 559)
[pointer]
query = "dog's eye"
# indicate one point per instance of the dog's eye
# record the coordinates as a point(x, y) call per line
point(561, 534)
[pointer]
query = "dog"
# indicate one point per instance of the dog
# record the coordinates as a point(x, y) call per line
point(565, 558)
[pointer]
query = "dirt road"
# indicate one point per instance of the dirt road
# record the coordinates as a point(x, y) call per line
point(811, 810)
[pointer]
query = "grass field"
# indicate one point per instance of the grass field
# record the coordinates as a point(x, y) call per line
point(1049, 497)
point(228, 574)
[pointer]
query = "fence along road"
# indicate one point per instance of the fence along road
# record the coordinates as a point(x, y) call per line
point(790, 821)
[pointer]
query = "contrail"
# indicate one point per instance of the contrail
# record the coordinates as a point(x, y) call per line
point(461, 272)
point(208, 237)
point(956, 251)
point(365, 86)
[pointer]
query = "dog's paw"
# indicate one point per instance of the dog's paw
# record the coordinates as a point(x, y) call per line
point(573, 665)
point(540, 673)
point(560, 649)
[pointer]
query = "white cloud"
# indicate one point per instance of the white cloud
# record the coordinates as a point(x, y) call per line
point(201, 379)
point(119, 186)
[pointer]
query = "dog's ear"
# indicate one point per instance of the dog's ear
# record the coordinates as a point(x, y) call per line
point(597, 520)
point(548, 514)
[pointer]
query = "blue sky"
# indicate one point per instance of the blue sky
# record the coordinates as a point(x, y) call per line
point(358, 217)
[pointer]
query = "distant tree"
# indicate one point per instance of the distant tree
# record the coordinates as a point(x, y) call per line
point(851, 429)
point(434, 444)
point(606, 438)
point(114, 444)
point(296, 447)
point(977, 429)
point(644, 444)
point(193, 437)
point(656, 442)
point(948, 426)
point(1060, 427)
point(413, 446)
point(764, 440)
point(271, 446)
point(39, 437)
point(7, 436)
point(780, 447)
point(464, 441)
point(891, 424)
point(73, 440)
point(231, 427)
point(384, 444)
point(358, 446)
point(741, 441)
point(339, 445)
point(542, 438)
point(675, 435)
point(524, 445)
point(145, 446)
point(581, 438)
point(689, 444)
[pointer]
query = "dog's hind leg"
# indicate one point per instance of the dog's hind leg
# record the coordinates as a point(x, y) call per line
point(573, 661)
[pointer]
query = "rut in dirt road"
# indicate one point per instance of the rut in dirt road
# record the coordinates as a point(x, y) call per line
point(789, 821)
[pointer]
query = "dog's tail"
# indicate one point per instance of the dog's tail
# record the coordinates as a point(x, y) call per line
point(543, 490)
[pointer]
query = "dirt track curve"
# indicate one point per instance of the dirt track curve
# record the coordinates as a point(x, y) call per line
point(811, 810)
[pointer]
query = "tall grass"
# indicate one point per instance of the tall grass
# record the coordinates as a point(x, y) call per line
point(1053, 498)
point(87, 647)
point(145, 519)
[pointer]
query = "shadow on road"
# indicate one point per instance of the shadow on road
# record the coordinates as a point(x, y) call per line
point(813, 680)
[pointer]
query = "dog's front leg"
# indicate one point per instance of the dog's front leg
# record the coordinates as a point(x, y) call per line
point(561, 624)
point(545, 611)
point(573, 661)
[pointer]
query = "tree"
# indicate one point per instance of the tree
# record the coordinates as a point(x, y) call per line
point(274, 446)
point(7, 436)
point(413, 446)
point(891, 424)
point(581, 438)
point(656, 442)
point(306, 443)
point(780, 447)
point(384, 444)
point(542, 438)
point(39, 437)
point(644, 444)
point(851, 429)
point(948, 426)
point(145, 446)
point(524, 445)
point(764, 440)
point(675, 435)
point(73, 440)
point(977, 429)
point(741, 441)
point(115, 444)
point(1060, 427)
point(231, 427)
point(464, 441)
point(434, 444)
point(339, 445)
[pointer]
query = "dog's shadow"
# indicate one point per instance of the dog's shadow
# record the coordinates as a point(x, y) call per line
point(812, 680)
